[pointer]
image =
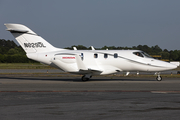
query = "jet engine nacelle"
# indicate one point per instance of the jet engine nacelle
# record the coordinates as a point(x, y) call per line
point(66, 62)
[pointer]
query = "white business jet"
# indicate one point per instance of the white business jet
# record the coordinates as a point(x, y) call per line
point(86, 62)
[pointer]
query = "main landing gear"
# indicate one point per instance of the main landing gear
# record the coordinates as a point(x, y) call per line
point(86, 77)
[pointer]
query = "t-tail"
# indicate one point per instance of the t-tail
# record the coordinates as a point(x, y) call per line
point(29, 40)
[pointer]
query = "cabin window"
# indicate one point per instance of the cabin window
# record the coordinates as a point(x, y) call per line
point(105, 55)
point(115, 55)
point(82, 56)
point(95, 55)
point(138, 54)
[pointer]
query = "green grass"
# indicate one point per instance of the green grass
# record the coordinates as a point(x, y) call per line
point(24, 66)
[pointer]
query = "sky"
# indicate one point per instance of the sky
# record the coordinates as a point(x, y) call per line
point(97, 23)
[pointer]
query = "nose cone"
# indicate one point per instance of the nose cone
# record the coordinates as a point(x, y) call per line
point(171, 66)
point(163, 66)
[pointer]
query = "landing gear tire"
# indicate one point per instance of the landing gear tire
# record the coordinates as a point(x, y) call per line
point(158, 78)
point(84, 79)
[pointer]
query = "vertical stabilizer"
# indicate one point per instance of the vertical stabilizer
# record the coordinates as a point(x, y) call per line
point(29, 40)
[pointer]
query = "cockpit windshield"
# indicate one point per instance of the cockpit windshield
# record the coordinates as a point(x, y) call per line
point(142, 54)
point(146, 55)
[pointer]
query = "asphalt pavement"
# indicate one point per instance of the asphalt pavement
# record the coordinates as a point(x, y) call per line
point(27, 97)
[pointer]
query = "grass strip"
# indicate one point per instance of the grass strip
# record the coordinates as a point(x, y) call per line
point(24, 66)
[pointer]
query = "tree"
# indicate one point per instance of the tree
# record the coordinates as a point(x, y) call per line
point(156, 49)
point(165, 55)
point(12, 51)
point(174, 55)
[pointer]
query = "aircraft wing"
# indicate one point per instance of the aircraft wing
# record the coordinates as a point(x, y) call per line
point(90, 71)
point(83, 69)
point(80, 63)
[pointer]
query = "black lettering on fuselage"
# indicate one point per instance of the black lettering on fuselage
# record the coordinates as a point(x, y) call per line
point(34, 45)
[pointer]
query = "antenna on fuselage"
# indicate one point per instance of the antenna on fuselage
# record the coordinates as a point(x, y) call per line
point(92, 48)
point(74, 48)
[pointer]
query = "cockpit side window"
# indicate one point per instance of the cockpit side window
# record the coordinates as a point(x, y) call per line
point(146, 55)
point(138, 54)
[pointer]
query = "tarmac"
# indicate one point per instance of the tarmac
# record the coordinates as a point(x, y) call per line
point(40, 97)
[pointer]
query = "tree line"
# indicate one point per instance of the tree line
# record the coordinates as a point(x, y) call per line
point(10, 52)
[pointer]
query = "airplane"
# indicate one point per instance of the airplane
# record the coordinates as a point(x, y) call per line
point(86, 62)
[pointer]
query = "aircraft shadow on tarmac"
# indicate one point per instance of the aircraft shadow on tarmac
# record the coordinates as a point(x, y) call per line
point(78, 79)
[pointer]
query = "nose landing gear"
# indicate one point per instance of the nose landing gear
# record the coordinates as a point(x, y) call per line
point(158, 78)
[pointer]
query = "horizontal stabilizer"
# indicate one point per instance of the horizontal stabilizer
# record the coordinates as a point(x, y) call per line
point(18, 28)
point(18, 31)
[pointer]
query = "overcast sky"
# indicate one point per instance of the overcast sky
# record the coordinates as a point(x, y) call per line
point(64, 23)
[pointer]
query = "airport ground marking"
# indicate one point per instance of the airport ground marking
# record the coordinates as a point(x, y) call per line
point(160, 92)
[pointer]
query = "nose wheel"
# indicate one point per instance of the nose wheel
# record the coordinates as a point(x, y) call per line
point(158, 78)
